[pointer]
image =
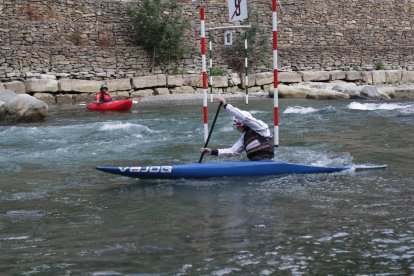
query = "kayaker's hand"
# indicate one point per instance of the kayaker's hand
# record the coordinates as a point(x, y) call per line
point(207, 150)
point(223, 100)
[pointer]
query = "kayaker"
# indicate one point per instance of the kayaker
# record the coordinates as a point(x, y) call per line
point(103, 95)
point(256, 138)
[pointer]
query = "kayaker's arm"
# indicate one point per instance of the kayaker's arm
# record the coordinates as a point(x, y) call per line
point(235, 150)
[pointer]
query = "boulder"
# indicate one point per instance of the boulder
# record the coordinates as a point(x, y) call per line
point(353, 91)
point(45, 97)
point(372, 92)
point(326, 94)
point(295, 92)
point(25, 108)
point(2, 111)
point(6, 95)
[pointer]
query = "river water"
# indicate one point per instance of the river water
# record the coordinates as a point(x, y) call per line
point(58, 215)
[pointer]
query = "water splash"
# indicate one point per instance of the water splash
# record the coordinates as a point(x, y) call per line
point(376, 106)
point(300, 110)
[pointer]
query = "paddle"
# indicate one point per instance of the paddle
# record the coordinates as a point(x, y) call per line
point(211, 130)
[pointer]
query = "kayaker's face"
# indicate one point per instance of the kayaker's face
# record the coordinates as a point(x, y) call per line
point(240, 129)
point(104, 91)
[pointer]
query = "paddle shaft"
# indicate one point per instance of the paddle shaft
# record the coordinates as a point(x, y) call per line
point(211, 130)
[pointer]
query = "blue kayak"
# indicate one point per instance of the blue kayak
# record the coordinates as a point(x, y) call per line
point(226, 169)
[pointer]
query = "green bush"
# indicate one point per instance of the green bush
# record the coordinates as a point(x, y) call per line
point(159, 27)
point(356, 68)
point(379, 66)
point(216, 71)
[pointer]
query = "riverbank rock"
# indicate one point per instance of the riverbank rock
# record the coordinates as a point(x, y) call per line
point(21, 107)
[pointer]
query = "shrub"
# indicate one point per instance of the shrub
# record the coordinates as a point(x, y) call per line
point(216, 71)
point(159, 27)
point(379, 66)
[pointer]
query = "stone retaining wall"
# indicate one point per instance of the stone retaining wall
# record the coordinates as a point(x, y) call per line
point(91, 39)
point(53, 89)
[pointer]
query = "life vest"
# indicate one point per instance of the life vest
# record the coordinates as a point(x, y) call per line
point(257, 147)
point(105, 98)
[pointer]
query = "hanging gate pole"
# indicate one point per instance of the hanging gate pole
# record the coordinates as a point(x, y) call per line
point(275, 75)
point(204, 71)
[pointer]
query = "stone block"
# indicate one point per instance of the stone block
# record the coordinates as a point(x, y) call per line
point(65, 99)
point(353, 76)
point(16, 86)
point(251, 81)
point(121, 95)
point(193, 80)
point(119, 84)
point(175, 80)
point(142, 93)
point(149, 81)
point(233, 90)
point(264, 78)
point(47, 77)
point(366, 77)
point(337, 75)
point(2, 85)
point(378, 77)
point(289, 77)
point(183, 90)
point(45, 97)
point(407, 76)
point(220, 81)
point(41, 85)
point(81, 86)
point(84, 97)
point(393, 76)
point(315, 76)
point(161, 91)
point(234, 79)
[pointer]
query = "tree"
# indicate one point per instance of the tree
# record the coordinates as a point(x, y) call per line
point(159, 27)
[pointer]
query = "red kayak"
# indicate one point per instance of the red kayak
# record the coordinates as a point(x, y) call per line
point(119, 105)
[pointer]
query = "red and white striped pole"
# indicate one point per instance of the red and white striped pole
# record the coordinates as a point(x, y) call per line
point(204, 71)
point(275, 75)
